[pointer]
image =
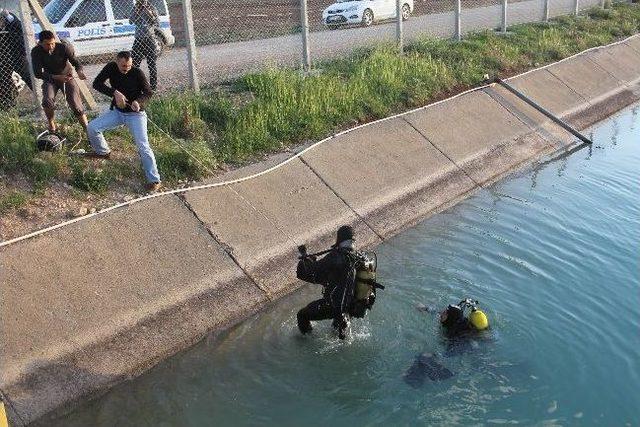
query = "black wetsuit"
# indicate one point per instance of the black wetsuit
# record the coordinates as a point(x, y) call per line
point(13, 57)
point(458, 337)
point(336, 273)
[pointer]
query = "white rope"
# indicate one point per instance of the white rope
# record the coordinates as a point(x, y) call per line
point(283, 163)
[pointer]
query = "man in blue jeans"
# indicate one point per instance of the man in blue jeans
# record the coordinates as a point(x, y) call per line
point(130, 90)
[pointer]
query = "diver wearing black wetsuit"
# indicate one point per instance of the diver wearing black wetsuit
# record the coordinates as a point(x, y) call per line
point(457, 330)
point(454, 323)
point(336, 273)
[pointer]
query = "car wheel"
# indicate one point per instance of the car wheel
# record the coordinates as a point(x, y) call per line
point(406, 11)
point(367, 18)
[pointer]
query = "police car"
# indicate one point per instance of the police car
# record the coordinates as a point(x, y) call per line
point(96, 27)
point(363, 12)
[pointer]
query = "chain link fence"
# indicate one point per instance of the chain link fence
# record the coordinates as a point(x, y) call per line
point(187, 43)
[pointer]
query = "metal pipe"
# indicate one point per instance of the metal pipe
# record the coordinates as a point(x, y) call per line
point(546, 11)
point(547, 113)
point(504, 16)
point(458, 23)
point(192, 55)
point(399, 29)
point(304, 22)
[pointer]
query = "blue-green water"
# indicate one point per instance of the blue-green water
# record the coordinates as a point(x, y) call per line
point(553, 256)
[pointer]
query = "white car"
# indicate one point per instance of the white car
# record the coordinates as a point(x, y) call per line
point(363, 12)
point(96, 27)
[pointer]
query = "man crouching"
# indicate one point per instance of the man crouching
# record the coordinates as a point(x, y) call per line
point(130, 90)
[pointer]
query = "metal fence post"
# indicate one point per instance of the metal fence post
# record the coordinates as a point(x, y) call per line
point(577, 7)
point(190, 38)
point(29, 37)
point(546, 10)
point(304, 21)
point(458, 21)
point(504, 16)
point(399, 32)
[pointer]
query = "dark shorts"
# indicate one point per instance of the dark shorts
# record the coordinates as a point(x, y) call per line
point(71, 92)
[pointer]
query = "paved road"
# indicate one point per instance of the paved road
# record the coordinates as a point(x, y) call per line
point(223, 61)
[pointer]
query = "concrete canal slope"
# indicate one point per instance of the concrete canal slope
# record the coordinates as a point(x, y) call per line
point(99, 301)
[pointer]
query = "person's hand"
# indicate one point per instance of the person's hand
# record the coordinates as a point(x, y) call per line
point(135, 106)
point(62, 78)
point(121, 100)
point(82, 75)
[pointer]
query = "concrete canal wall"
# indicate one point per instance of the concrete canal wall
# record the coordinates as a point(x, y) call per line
point(92, 304)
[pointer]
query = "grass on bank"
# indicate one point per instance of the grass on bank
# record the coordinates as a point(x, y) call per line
point(267, 111)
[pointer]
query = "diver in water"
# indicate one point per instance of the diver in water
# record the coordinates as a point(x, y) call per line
point(455, 323)
point(458, 330)
point(348, 280)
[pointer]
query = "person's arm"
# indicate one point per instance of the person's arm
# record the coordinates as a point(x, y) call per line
point(146, 90)
point(98, 82)
point(71, 57)
point(155, 18)
point(38, 67)
point(314, 271)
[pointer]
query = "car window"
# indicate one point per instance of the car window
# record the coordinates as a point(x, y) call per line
point(160, 6)
point(122, 8)
point(56, 9)
point(88, 11)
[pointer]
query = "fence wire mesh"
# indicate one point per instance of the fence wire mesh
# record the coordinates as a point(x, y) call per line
point(246, 35)
point(432, 18)
point(232, 38)
point(585, 5)
point(521, 12)
point(561, 7)
point(478, 15)
point(342, 27)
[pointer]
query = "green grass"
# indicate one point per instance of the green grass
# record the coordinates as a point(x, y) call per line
point(13, 200)
point(286, 107)
point(267, 111)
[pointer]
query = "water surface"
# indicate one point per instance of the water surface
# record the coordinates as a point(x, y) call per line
point(551, 253)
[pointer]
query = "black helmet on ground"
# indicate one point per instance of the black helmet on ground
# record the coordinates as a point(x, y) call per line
point(49, 141)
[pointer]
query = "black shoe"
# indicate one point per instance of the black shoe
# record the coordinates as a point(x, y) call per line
point(341, 325)
point(304, 326)
point(305, 331)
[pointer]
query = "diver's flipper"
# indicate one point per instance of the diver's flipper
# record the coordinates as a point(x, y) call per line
point(425, 366)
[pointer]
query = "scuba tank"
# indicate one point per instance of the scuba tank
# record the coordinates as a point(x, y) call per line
point(366, 264)
point(366, 276)
point(477, 318)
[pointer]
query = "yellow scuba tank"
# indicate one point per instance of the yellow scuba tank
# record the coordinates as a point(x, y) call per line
point(478, 319)
point(3, 416)
point(365, 278)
